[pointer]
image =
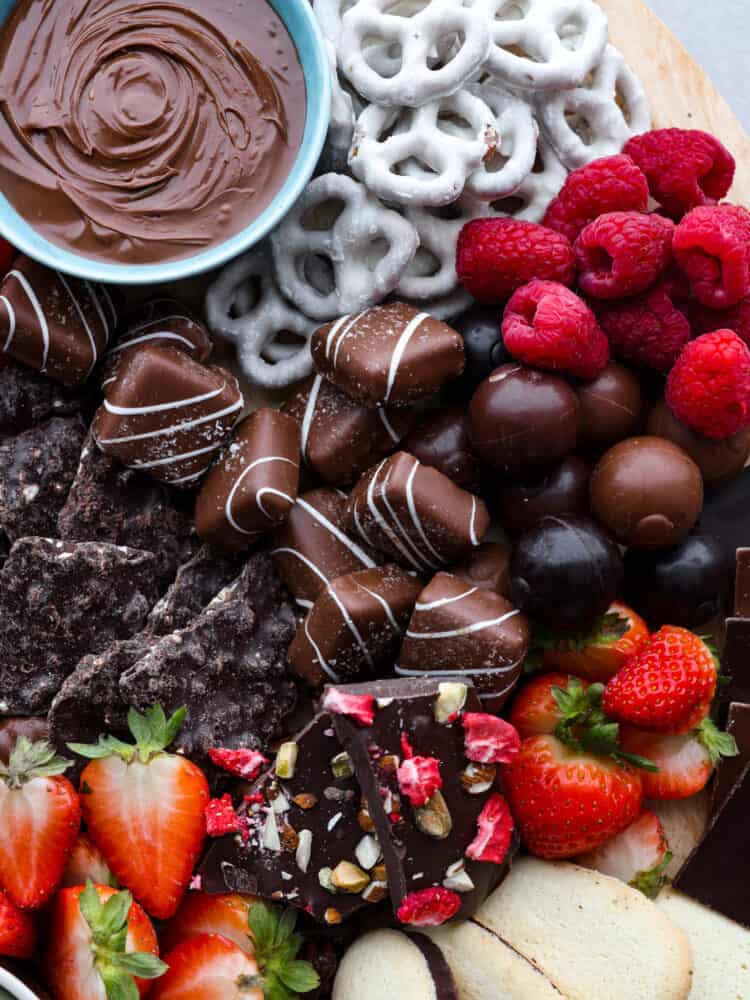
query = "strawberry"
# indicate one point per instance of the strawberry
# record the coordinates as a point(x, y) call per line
point(639, 855)
point(600, 652)
point(17, 930)
point(39, 820)
point(213, 967)
point(685, 760)
point(144, 809)
point(200, 913)
point(86, 862)
point(663, 684)
point(536, 709)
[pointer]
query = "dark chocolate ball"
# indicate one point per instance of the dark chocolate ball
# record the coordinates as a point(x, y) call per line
point(563, 490)
point(684, 585)
point(442, 441)
point(521, 419)
point(611, 406)
point(717, 460)
point(565, 572)
point(484, 349)
point(647, 492)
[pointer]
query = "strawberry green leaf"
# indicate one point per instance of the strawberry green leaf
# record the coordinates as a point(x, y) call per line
point(276, 948)
point(717, 743)
point(118, 985)
point(300, 977)
point(108, 746)
point(601, 738)
point(152, 732)
point(285, 927)
point(642, 763)
point(141, 964)
point(651, 882)
point(90, 906)
point(262, 923)
point(32, 760)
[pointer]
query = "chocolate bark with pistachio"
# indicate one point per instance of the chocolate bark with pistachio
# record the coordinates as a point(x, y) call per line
point(424, 847)
point(307, 842)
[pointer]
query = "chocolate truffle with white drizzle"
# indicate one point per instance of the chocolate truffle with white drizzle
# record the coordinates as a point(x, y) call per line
point(462, 630)
point(166, 414)
point(253, 486)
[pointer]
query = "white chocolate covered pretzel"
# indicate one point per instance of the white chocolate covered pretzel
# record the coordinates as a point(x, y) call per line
point(423, 156)
point(597, 118)
point(501, 173)
point(245, 307)
point(414, 35)
point(340, 250)
point(543, 44)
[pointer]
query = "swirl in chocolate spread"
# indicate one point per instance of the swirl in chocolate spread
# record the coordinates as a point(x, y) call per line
point(139, 132)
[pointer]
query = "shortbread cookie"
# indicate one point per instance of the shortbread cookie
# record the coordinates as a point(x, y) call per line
point(389, 964)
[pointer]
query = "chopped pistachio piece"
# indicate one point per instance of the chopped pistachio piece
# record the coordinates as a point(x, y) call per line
point(286, 760)
point(433, 818)
point(324, 877)
point(341, 765)
point(450, 700)
point(349, 878)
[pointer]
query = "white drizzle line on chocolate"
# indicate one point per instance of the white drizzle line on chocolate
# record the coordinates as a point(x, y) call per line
point(332, 333)
point(339, 535)
point(232, 493)
point(275, 493)
point(173, 459)
point(388, 425)
point(128, 411)
point(385, 605)
point(94, 296)
point(458, 671)
point(402, 530)
point(174, 428)
point(472, 522)
point(321, 659)
point(160, 335)
point(84, 322)
point(174, 318)
point(11, 321)
point(307, 562)
point(415, 516)
point(441, 602)
point(37, 307)
point(312, 402)
point(351, 625)
point(455, 633)
point(398, 353)
point(380, 520)
point(187, 479)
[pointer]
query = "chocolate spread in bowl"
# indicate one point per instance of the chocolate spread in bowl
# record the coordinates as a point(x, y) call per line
point(137, 132)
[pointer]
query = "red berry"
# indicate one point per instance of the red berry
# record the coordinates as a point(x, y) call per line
point(712, 246)
point(638, 856)
point(419, 779)
point(612, 184)
point(709, 387)
point(494, 257)
point(358, 706)
point(547, 326)
point(737, 318)
point(685, 168)
point(648, 330)
point(221, 817)
point(244, 763)
point(623, 253)
point(429, 907)
point(495, 830)
point(488, 739)
point(17, 930)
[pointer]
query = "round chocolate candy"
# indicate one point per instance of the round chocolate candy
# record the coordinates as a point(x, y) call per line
point(684, 585)
point(564, 490)
point(484, 349)
point(442, 442)
point(647, 492)
point(717, 460)
point(611, 406)
point(565, 572)
point(521, 419)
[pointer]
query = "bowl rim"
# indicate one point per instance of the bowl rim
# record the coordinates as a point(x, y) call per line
point(15, 987)
point(316, 70)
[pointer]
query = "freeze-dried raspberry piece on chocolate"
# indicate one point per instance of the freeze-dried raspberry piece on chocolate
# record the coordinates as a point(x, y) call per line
point(197, 582)
point(28, 398)
point(623, 253)
point(648, 330)
point(685, 168)
point(712, 246)
point(611, 184)
point(37, 468)
point(228, 667)
point(60, 601)
point(736, 318)
point(109, 503)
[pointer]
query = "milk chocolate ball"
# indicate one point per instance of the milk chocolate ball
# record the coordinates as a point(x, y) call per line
point(647, 492)
point(484, 349)
point(717, 460)
point(564, 490)
point(611, 406)
point(520, 419)
point(442, 441)
point(565, 572)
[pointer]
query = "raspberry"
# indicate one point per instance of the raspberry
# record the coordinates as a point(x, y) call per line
point(547, 326)
point(429, 907)
point(684, 168)
point(623, 253)
point(489, 739)
point(736, 318)
point(709, 387)
point(359, 706)
point(221, 817)
point(244, 763)
point(712, 246)
point(612, 184)
point(494, 257)
point(495, 830)
point(648, 330)
point(419, 779)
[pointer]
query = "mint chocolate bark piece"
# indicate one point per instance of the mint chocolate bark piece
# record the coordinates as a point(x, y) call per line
point(429, 830)
point(307, 841)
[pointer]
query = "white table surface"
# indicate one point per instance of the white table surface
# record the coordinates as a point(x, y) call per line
point(717, 33)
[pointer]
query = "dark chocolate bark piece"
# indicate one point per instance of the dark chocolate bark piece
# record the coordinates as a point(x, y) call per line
point(314, 830)
point(423, 848)
point(742, 584)
point(109, 503)
point(228, 667)
point(27, 398)
point(197, 582)
point(730, 768)
point(58, 602)
point(736, 660)
point(37, 468)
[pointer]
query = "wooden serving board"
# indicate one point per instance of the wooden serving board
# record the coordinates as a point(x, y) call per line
point(680, 92)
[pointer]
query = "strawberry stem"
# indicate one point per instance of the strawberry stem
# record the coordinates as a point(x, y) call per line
point(151, 730)
point(284, 976)
point(32, 760)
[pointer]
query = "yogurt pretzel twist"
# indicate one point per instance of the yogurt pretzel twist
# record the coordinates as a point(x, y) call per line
point(362, 270)
point(253, 322)
point(554, 44)
point(512, 161)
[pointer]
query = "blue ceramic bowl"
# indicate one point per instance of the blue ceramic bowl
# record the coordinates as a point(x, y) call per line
point(298, 17)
